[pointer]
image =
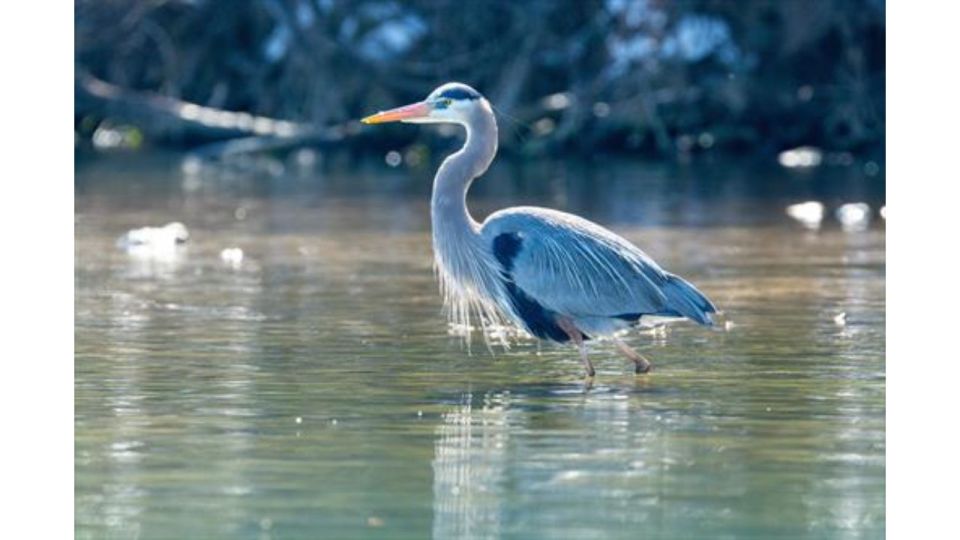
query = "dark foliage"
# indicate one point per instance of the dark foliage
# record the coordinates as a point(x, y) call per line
point(640, 76)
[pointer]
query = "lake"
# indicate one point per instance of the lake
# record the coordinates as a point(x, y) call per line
point(314, 390)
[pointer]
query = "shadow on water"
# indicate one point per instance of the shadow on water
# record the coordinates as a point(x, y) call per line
point(313, 385)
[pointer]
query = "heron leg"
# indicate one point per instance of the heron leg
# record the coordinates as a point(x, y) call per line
point(642, 364)
point(577, 337)
point(587, 364)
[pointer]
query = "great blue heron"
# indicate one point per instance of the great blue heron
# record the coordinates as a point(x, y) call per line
point(559, 276)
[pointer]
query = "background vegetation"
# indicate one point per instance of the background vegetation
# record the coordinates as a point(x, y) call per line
point(654, 78)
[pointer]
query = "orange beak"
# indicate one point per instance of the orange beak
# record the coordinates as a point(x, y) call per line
point(415, 110)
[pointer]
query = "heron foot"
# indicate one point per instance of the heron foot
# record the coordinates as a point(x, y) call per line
point(641, 364)
point(643, 367)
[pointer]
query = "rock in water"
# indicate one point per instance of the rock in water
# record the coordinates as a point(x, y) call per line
point(171, 234)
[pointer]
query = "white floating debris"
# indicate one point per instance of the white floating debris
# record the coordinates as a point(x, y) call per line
point(802, 156)
point(809, 213)
point(854, 216)
point(728, 325)
point(883, 213)
point(159, 240)
point(298, 420)
point(232, 256)
point(840, 319)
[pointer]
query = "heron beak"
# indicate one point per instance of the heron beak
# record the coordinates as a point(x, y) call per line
point(415, 110)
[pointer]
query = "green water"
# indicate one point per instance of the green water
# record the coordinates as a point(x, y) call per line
point(315, 391)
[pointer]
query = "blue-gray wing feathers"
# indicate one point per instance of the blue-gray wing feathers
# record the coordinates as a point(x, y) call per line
point(563, 264)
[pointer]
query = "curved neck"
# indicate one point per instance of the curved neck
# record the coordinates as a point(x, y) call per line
point(470, 276)
point(448, 206)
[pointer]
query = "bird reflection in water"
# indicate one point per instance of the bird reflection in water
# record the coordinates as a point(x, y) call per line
point(469, 467)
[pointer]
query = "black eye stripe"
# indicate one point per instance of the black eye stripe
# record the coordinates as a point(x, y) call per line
point(459, 93)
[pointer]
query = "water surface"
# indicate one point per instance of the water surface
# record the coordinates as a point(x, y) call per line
point(315, 391)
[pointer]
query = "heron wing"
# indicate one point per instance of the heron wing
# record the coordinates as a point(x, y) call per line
point(575, 267)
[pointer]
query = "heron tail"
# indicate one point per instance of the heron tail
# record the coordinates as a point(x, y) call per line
point(686, 300)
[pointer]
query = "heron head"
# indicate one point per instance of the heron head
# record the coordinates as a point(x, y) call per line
point(452, 103)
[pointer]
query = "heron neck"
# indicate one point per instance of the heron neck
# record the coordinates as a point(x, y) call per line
point(449, 212)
